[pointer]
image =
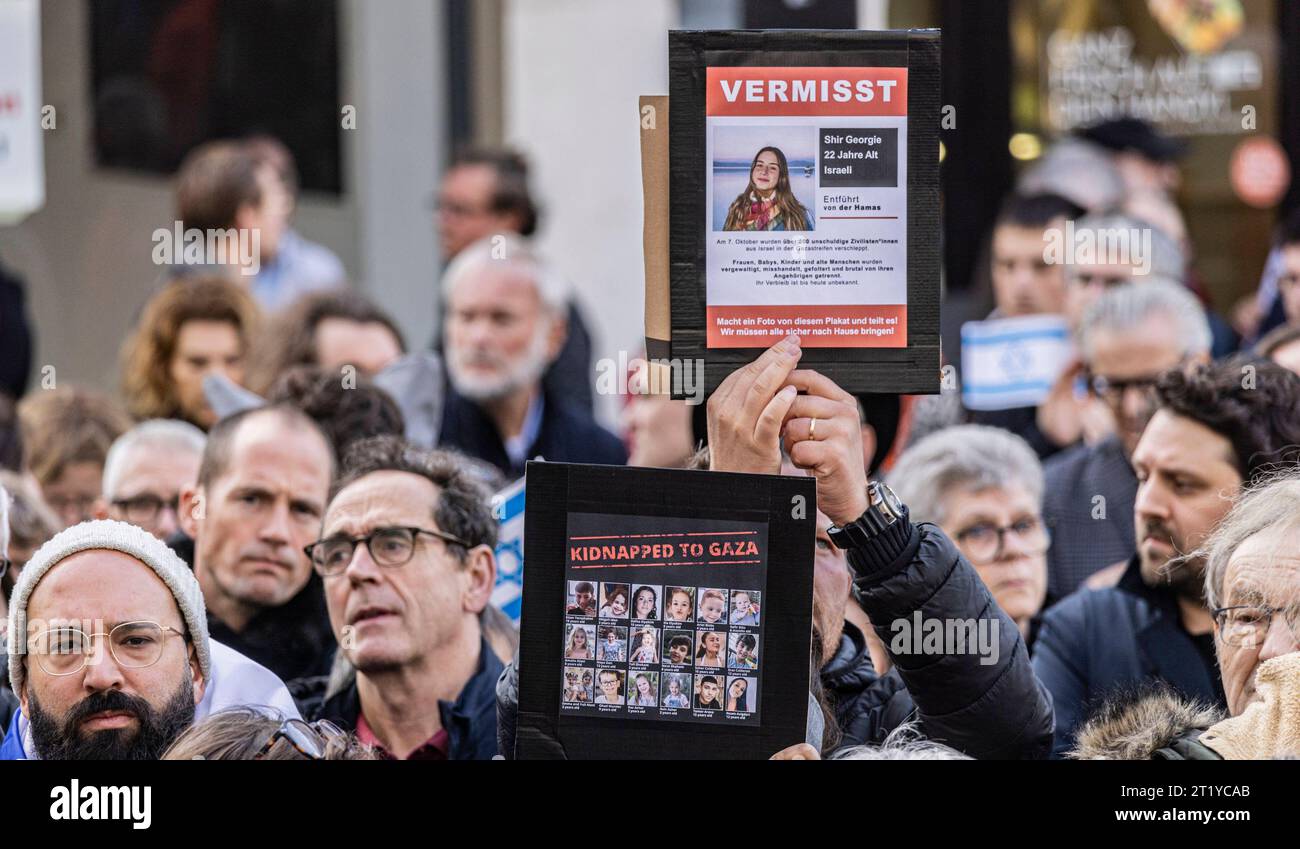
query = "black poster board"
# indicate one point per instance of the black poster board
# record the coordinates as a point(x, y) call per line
point(910, 367)
point(742, 548)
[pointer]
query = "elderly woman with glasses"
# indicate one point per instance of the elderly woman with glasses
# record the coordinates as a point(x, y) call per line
point(984, 487)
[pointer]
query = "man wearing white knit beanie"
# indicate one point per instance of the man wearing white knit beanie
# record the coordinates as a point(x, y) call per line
point(109, 648)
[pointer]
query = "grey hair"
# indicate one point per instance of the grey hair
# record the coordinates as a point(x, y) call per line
point(1168, 260)
point(904, 743)
point(972, 457)
point(162, 434)
point(1273, 503)
point(512, 250)
point(1127, 306)
point(1078, 170)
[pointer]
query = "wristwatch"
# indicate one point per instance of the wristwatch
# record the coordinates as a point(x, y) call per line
point(885, 509)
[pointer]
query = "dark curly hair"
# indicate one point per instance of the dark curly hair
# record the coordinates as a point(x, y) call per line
point(463, 506)
point(345, 412)
point(1251, 402)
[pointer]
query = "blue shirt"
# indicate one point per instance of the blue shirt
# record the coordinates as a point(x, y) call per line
point(299, 267)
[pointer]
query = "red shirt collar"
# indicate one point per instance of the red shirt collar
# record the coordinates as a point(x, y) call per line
point(434, 749)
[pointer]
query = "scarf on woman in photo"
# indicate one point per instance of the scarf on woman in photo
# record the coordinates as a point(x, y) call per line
point(760, 214)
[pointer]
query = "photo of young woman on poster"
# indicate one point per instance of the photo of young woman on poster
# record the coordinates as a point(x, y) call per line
point(675, 688)
point(644, 689)
point(713, 604)
point(644, 646)
point(744, 607)
point(706, 693)
point(613, 645)
point(709, 652)
point(613, 601)
point(645, 603)
point(611, 687)
point(738, 696)
point(768, 202)
point(678, 646)
point(580, 645)
point(681, 604)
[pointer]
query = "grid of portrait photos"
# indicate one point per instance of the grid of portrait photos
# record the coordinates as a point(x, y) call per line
point(662, 652)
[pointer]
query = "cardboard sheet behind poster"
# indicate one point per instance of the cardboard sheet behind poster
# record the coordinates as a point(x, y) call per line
point(804, 182)
point(667, 613)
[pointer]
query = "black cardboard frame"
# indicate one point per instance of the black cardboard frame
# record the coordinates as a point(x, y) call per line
point(911, 370)
point(556, 489)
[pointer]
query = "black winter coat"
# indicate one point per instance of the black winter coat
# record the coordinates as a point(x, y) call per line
point(1099, 641)
point(568, 435)
point(867, 705)
point(470, 722)
point(989, 706)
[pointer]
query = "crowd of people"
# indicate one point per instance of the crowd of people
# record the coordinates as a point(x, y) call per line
point(275, 538)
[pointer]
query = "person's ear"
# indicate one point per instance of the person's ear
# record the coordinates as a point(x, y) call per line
point(481, 576)
point(22, 691)
point(99, 509)
point(196, 675)
point(558, 333)
point(248, 216)
point(192, 505)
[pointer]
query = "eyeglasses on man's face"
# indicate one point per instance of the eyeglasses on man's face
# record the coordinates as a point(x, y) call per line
point(144, 509)
point(66, 649)
point(1246, 626)
point(387, 546)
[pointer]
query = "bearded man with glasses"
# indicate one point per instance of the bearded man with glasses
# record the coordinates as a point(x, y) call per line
point(406, 555)
point(110, 653)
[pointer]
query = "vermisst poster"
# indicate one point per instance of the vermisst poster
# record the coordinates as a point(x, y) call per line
point(804, 183)
point(667, 613)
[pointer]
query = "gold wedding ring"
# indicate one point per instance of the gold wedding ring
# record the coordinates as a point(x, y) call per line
point(812, 429)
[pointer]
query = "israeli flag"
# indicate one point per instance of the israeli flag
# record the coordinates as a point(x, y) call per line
point(508, 508)
point(1012, 362)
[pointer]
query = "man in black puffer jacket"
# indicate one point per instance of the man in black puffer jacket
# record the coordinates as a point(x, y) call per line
point(994, 710)
point(982, 698)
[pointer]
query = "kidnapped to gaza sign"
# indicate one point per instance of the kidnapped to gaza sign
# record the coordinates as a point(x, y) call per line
point(804, 188)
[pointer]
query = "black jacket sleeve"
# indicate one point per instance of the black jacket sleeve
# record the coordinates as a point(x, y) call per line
point(987, 704)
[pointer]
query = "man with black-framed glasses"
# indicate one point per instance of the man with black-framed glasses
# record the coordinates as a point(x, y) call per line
point(406, 556)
